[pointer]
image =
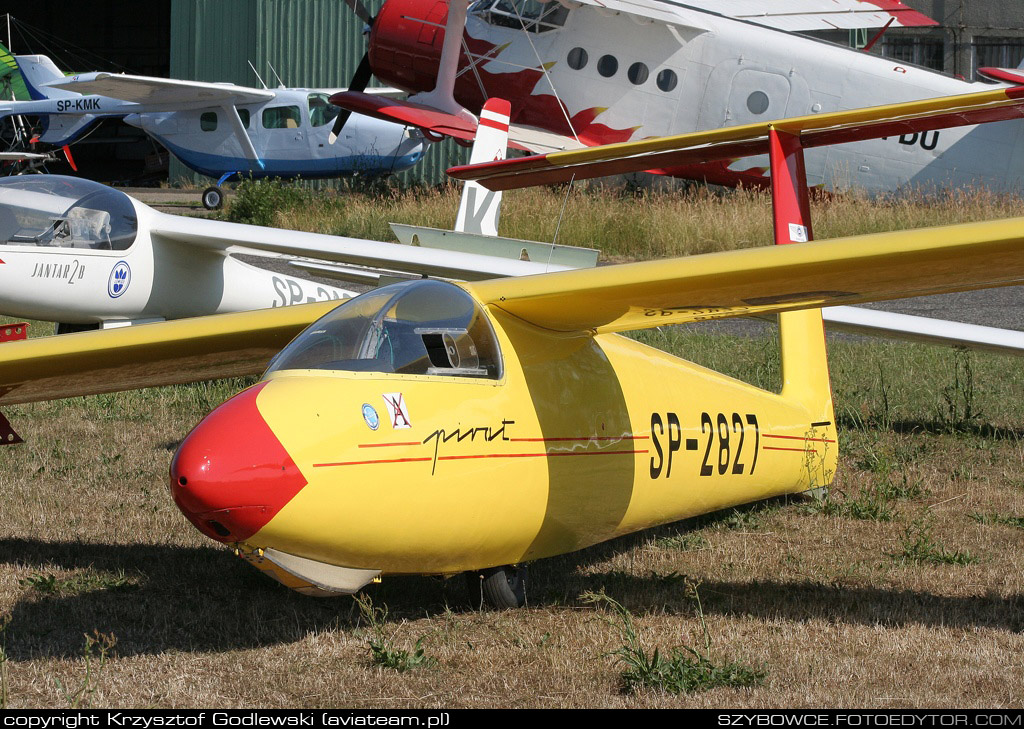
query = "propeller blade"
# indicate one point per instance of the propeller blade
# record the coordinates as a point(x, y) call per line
point(70, 159)
point(360, 10)
point(359, 81)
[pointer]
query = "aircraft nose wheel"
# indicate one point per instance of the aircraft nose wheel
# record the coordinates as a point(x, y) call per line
point(502, 588)
point(213, 198)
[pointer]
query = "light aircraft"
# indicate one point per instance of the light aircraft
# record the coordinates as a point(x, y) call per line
point(433, 428)
point(602, 71)
point(219, 130)
point(89, 256)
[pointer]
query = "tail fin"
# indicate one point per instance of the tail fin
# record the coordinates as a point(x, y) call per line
point(39, 71)
point(479, 207)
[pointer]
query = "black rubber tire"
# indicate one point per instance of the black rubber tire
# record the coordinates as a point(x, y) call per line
point(502, 588)
point(213, 198)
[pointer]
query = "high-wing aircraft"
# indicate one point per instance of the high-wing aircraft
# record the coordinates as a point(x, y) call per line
point(603, 71)
point(433, 428)
point(219, 130)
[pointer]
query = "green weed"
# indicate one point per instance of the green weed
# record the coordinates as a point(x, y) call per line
point(685, 669)
point(919, 546)
point(257, 202)
point(995, 519)
point(383, 651)
point(90, 580)
point(97, 650)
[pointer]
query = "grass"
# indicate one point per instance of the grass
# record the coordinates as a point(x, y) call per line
point(90, 543)
point(684, 669)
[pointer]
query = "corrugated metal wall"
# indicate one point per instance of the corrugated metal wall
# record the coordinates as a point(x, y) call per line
point(310, 43)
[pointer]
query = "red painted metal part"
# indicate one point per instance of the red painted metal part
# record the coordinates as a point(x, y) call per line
point(13, 332)
point(7, 434)
point(231, 475)
point(791, 208)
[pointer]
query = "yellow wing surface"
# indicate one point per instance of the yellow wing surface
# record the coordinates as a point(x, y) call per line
point(612, 298)
point(147, 355)
point(766, 280)
point(748, 139)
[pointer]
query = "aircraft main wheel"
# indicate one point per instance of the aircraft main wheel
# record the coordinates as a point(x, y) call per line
point(213, 198)
point(503, 588)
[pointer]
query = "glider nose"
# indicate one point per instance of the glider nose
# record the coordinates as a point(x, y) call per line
point(231, 475)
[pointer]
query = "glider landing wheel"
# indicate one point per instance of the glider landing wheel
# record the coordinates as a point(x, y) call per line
point(213, 198)
point(502, 588)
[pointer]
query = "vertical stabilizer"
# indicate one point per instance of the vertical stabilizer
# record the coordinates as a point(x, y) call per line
point(805, 376)
point(37, 72)
point(479, 207)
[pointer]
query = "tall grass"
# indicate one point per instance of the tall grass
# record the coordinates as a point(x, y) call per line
point(632, 226)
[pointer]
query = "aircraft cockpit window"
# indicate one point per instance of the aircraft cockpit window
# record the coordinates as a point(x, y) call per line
point(321, 111)
point(65, 212)
point(529, 15)
point(282, 117)
point(417, 327)
point(243, 114)
point(208, 121)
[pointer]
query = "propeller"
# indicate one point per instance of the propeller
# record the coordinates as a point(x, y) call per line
point(358, 83)
point(363, 72)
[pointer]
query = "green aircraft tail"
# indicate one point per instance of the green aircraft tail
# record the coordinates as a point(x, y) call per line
point(12, 85)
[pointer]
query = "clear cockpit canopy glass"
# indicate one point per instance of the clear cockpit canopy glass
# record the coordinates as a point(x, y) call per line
point(65, 212)
point(417, 327)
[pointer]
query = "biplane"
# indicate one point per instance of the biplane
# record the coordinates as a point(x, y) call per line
point(581, 73)
point(432, 428)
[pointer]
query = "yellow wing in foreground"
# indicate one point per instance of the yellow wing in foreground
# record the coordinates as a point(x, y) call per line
point(766, 280)
point(167, 353)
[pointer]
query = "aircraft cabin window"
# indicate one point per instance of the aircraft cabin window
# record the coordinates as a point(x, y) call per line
point(420, 327)
point(577, 59)
point(529, 15)
point(282, 117)
point(321, 111)
point(637, 73)
point(243, 114)
point(667, 80)
point(757, 102)
point(607, 66)
point(65, 212)
point(208, 121)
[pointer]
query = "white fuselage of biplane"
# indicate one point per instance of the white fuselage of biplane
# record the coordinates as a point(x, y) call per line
point(642, 79)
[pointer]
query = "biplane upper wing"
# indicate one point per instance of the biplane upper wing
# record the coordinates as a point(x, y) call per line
point(766, 280)
point(789, 15)
point(162, 92)
point(799, 15)
point(149, 355)
point(816, 130)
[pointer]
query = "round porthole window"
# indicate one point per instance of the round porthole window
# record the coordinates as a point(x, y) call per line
point(667, 80)
point(637, 73)
point(757, 102)
point(577, 58)
point(607, 66)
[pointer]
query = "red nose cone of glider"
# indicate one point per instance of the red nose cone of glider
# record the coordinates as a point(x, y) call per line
point(231, 475)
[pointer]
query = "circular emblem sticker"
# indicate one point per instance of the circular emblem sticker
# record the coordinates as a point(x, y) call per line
point(370, 416)
point(119, 279)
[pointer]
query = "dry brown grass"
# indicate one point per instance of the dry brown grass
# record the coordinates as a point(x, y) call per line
point(90, 541)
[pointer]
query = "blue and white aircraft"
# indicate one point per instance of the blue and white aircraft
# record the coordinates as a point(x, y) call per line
point(217, 129)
